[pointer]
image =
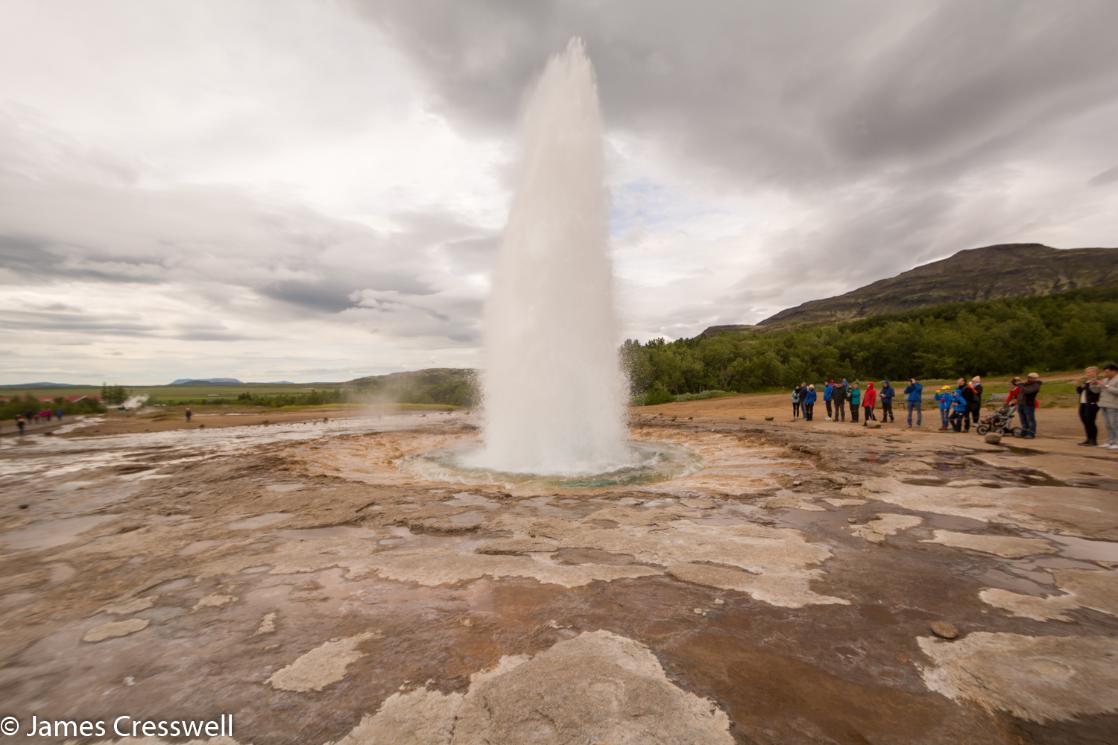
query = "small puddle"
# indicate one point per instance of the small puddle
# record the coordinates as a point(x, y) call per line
point(1084, 548)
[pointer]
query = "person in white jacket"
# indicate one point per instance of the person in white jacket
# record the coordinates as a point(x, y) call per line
point(1108, 404)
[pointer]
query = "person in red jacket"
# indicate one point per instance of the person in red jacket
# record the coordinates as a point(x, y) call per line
point(869, 398)
point(1014, 391)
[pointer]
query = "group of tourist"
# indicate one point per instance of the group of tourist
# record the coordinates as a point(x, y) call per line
point(960, 405)
point(1099, 392)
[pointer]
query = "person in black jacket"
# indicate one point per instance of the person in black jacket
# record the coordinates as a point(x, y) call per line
point(1027, 405)
point(1088, 390)
point(838, 397)
point(887, 395)
point(976, 385)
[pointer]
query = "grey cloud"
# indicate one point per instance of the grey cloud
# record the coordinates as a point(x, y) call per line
point(112, 325)
point(789, 92)
point(325, 296)
point(1108, 176)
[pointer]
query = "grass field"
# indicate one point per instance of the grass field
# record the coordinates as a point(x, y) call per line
point(171, 393)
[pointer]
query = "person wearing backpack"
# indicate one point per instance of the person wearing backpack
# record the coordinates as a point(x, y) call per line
point(887, 395)
point(828, 392)
point(796, 403)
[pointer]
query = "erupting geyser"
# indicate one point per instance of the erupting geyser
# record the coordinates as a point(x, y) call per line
point(554, 394)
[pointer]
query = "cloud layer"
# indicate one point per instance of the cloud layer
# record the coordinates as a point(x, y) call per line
point(316, 191)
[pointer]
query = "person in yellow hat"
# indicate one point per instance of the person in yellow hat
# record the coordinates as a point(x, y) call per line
point(943, 398)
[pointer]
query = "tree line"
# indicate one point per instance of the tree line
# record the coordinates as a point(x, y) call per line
point(1056, 332)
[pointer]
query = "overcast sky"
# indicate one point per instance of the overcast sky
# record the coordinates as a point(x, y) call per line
point(278, 189)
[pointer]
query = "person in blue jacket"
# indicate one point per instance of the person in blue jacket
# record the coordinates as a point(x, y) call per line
point(809, 403)
point(914, 396)
point(943, 397)
point(828, 391)
point(959, 410)
point(886, 396)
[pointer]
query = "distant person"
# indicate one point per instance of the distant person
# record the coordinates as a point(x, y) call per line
point(189, 415)
point(838, 399)
point(796, 403)
point(1088, 390)
point(809, 403)
point(868, 401)
point(58, 414)
point(966, 390)
point(976, 385)
point(960, 410)
point(1028, 403)
point(1011, 398)
point(21, 423)
point(944, 397)
point(855, 401)
point(887, 395)
point(914, 400)
point(828, 394)
point(970, 395)
point(1108, 402)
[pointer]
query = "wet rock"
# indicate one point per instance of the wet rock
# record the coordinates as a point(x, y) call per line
point(1009, 546)
point(24, 506)
point(267, 624)
point(770, 418)
point(873, 425)
point(215, 600)
point(1038, 678)
point(944, 630)
point(130, 606)
point(323, 665)
point(993, 438)
point(114, 629)
point(615, 691)
point(884, 525)
point(512, 546)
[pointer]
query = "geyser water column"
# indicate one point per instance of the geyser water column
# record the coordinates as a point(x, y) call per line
point(554, 395)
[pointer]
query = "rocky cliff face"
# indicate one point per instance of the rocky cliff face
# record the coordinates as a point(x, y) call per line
point(1008, 270)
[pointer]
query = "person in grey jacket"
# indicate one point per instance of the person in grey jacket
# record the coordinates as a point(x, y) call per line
point(1108, 404)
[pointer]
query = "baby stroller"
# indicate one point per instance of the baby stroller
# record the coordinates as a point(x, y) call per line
point(1001, 421)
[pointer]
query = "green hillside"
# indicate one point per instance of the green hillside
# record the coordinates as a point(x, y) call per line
point(1009, 335)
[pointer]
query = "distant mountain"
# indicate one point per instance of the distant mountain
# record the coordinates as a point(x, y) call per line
point(1001, 271)
point(206, 381)
point(45, 385)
